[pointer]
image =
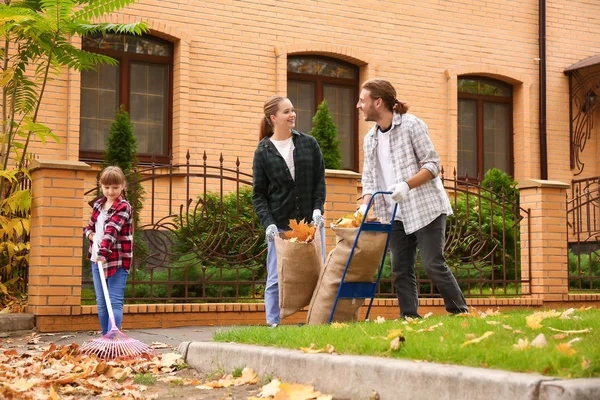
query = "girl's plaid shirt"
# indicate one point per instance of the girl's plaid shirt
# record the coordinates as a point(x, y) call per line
point(117, 243)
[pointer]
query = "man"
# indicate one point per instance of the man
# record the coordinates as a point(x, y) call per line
point(400, 157)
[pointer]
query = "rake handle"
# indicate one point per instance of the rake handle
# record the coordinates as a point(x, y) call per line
point(111, 315)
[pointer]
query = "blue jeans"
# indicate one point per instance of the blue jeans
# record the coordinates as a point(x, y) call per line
point(116, 292)
point(272, 287)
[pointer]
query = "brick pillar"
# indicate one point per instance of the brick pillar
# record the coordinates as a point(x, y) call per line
point(56, 237)
point(544, 239)
point(340, 200)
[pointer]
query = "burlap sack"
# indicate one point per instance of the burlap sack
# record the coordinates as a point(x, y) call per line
point(364, 264)
point(298, 267)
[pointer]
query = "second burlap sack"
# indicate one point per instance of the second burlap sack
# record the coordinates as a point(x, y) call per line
point(298, 267)
point(364, 264)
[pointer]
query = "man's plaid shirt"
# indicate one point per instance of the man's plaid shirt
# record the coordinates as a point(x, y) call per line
point(276, 196)
point(411, 149)
point(117, 243)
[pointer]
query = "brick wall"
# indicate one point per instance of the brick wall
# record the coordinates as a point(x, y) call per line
point(230, 55)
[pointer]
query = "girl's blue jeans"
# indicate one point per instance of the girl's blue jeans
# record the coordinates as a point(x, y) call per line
point(272, 310)
point(116, 293)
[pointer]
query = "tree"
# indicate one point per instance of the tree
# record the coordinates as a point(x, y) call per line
point(36, 47)
point(121, 150)
point(325, 131)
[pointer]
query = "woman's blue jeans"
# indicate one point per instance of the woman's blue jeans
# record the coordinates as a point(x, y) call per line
point(272, 310)
point(116, 293)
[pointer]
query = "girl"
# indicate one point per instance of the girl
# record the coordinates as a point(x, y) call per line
point(111, 243)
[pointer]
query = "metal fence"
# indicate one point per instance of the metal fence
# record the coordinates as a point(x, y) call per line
point(198, 239)
point(483, 247)
point(583, 233)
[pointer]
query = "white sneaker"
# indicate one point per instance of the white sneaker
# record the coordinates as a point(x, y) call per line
point(273, 326)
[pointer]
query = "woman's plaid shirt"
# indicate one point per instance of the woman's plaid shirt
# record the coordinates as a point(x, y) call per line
point(276, 196)
point(411, 150)
point(117, 243)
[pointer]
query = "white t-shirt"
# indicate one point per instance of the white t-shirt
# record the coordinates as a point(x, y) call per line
point(286, 149)
point(99, 234)
point(385, 169)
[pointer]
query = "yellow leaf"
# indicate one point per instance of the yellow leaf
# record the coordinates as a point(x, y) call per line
point(270, 389)
point(53, 394)
point(585, 364)
point(587, 330)
point(311, 349)
point(522, 344)
point(329, 348)
point(565, 348)
point(507, 327)
point(338, 325)
point(477, 340)
point(464, 324)
point(492, 322)
point(392, 333)
point(379, 320)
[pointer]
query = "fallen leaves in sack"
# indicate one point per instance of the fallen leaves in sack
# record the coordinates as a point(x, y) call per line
point(301, 232)
point(351, 221)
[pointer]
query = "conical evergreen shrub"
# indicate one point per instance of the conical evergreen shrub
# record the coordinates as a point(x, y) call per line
point(325, 131)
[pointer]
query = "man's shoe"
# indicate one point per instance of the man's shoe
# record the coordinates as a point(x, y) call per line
point(273, 326)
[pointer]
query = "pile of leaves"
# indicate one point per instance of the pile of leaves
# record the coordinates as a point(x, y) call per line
point(352, 221)
point(300, 232)
point(62, 372)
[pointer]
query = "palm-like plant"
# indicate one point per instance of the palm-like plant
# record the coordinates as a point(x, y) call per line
point(36, 46)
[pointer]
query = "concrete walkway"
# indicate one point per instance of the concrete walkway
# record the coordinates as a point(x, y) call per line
point(344, 376)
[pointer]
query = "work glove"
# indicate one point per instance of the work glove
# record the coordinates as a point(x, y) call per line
point(317, 219)
point(271, 232)
point(399, 191)
point(361, 210)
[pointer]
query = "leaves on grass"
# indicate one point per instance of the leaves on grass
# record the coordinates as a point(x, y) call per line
point(338, 325)
point(539, 341)
point(565, 348)
point(587, 330)
point(522, 344)
point(395, 343)
point(379, 320)
point(312, 350)
point(534, 320)
point(300, 231)
point(477, 340)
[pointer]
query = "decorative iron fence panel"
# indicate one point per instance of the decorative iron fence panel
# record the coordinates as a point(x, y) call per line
point(483, 246)
point(201, 242)
point(583, 233)
point(197, 239)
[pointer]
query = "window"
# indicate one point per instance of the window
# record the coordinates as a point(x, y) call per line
point(141, 82)
point(484, 126)
point(311, 80)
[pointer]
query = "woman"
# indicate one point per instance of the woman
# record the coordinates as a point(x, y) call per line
point(289, 183)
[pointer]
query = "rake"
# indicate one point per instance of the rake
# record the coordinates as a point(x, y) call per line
point(115, 344)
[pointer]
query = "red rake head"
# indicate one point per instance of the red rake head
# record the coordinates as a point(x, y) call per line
point(117, 345)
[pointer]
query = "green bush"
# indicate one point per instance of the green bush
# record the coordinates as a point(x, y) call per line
point(585, 266)
point(213, 244)
point(326, 133)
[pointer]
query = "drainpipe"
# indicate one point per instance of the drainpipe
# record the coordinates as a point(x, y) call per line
point(543, 132)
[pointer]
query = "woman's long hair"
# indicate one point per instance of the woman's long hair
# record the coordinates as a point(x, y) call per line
point(382, 89)
point(270, 108)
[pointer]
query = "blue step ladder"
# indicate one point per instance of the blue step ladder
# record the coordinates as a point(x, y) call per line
point(365, 290)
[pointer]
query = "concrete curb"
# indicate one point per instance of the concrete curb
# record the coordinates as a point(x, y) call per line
point(356, 377)
point(16, 323)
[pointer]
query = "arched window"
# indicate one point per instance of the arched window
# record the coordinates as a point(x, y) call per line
point(312, 79)
point(485, 138)
point(141, 82)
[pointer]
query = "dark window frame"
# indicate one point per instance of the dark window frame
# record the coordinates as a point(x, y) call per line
point(320, 81)
point(480, 99)
point(125, 58)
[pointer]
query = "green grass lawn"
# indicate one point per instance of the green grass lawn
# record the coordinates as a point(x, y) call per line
point(445, 339)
